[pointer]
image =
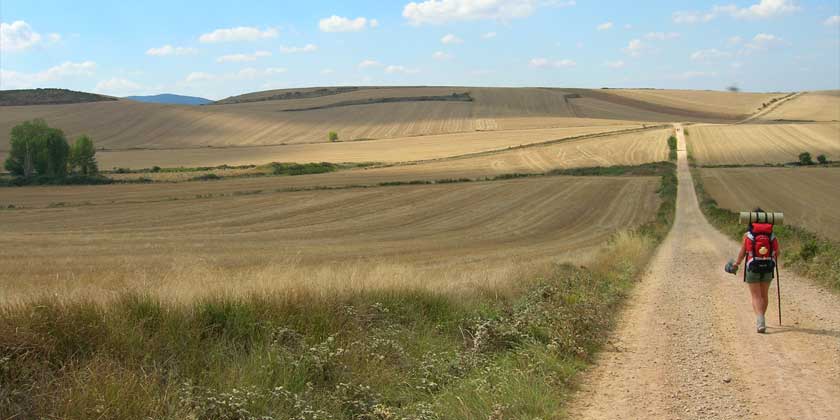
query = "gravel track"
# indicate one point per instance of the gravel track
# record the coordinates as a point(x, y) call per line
point(685, 346)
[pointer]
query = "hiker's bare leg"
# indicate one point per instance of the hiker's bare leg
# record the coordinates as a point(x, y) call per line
point(765, 288)
point(759, 302)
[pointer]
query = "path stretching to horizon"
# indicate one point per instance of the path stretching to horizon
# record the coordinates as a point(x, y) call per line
point(686, 348)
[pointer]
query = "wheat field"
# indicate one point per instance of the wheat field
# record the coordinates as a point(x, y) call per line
point(762, 143)
point(811, 106)
point(452, 236)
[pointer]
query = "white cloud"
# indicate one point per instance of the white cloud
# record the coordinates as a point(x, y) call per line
point(369, 63)
point(615, 64)
point(762, 10)
point(488, 35)
point(451, 39)
point(117, 87)
point(604, 26)
point(327, 71)
point(240, 58)
point(694, 75)
point(396, 69)
point(832, 21)
point(248, 73)
point(692, 17)
point(635, 48)
point(437, 12)
point(198, 76)
point(766, 38)
point(170, 50)
point(241, 33)
point(709, 54)
point(304, 49)
point(342, 24)
point(735, 40)
point(19, 36)
point(441, 56)
point(542, 63)
point(661, 36)
point(17, 80)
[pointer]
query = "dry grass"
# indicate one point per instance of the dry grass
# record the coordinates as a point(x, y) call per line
point(762, 143)
point(442, 236)
point(808, 196)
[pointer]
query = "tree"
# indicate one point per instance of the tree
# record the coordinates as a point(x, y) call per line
point(37, 148)
point(57, 152)
point(822, 159)
point(83, 156)
point(733, 88)
point(333, 136)
point(805, 159)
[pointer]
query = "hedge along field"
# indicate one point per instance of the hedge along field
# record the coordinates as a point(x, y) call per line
point(401, 352)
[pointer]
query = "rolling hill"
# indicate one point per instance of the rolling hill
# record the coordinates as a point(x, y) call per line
point(362, 113)
point(29, 97)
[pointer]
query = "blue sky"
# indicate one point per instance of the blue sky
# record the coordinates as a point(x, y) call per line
point(220, 48)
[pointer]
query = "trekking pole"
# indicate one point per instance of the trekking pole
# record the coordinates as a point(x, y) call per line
point(779, 293)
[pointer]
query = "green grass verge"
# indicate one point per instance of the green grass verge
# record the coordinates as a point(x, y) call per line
point(397, 354)
point(802, 251)
point(672, 148)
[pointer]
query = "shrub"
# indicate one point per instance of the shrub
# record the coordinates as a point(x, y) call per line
point(822, 159)
point(805, 159)
point(333, 136)
point(207, 177)
point(83, 156)
point(293, 169)
point(672, 146)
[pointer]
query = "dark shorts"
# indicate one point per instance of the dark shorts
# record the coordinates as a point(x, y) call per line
point(759, 277)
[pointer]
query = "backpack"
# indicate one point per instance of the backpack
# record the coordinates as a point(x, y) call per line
point(761, 257)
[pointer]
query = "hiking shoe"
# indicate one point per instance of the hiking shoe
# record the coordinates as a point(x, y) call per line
point(760, 327)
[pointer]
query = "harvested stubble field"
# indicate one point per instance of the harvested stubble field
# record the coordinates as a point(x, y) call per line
point(726, 103)
point(811, 106)
point(401, 149)
point(762, 143)
point(127, 124)
point(436, 237)
point(809, 197)
point(624, 149)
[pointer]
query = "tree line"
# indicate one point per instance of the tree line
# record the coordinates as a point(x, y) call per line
point(38, 150)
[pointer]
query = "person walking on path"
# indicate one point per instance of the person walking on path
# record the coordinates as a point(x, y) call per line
point(760, 250)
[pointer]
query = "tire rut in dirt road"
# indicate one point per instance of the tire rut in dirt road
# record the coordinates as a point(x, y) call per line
point(686, 348)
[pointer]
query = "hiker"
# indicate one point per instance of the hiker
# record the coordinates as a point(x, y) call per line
point(760, 248)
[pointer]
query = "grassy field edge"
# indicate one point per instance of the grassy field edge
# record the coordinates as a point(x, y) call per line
point(387, 354)
point(802, 251)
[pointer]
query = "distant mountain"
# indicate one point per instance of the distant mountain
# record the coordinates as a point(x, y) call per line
point(48, 97)
point(168, 98)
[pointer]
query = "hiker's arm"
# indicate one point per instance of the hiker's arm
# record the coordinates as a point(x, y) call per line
point(741, 255)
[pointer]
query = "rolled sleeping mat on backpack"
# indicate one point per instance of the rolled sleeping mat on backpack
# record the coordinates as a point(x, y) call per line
point(774, 218)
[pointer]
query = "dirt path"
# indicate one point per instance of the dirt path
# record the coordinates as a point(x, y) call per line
point(770, 108)
point(686, 346)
